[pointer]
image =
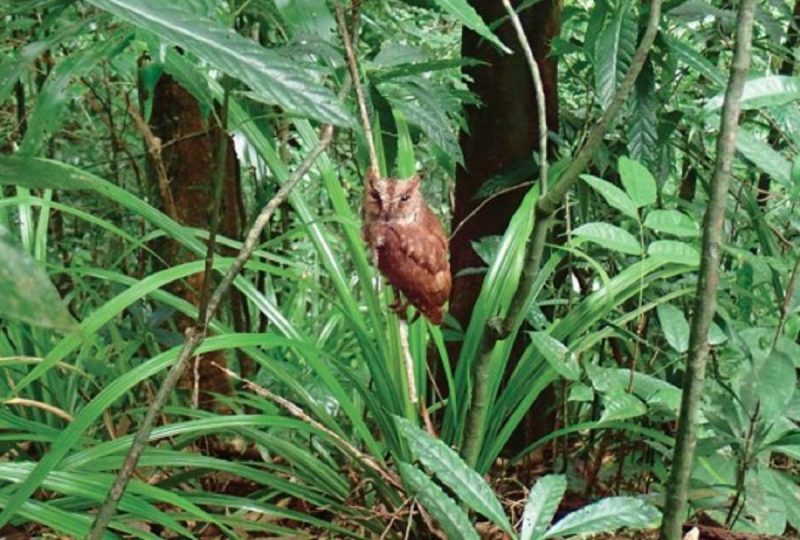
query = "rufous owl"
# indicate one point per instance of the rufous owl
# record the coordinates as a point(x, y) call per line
point(407, 242)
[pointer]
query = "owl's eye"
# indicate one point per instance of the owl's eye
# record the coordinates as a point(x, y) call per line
point(405, 198)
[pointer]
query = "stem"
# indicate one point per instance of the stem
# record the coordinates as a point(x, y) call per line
point(545, 208)
point(220, 170)
point(706, 297)
point(541, 110)
point(408, 360)
point(362, 104)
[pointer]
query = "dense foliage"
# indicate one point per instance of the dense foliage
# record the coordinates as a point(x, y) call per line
point(325, 437)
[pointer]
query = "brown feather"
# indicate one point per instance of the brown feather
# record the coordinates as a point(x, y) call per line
point(408, 244)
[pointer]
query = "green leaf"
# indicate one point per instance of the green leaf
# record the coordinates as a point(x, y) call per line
point(541, 506)
point(614, 196)
point(672, 222)
point(763, 156)
point(639, 183)
point(46, 116)
point(557, 355)
point(13, 68)
point(675, 327)
point(419, 103)
point(274, 79)
point(610, 237)
point(607, 515)
point(27, 293)
point(468, 485)
point(776, 380)
point(451, 518)
point(466, 15)
point(695, 61)
point(580, 392)
point(642, 131)
point(308, 17)
point(673, 251)
point(613, 53)
point(784, 486)
point(762, 92)
point(653, 391)
point(620, 405)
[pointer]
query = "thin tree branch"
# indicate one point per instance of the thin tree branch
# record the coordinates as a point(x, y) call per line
point(220, 170)
point(708, 281)
point(154, 147)
point(545, 208)
point(541, 107)
point(353, 66)
point(374, 165)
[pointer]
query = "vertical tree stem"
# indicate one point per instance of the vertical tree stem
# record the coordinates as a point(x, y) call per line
point(538, 88)
point(545, 208)
point(706, 296)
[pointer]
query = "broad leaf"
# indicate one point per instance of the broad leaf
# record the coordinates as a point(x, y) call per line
point(776, 380)
point(762, 92)
point(419, 103)
point(557, 355)
point(607, 515)
point(673, 251)
point(675, 327)
point(613, 52)
point(613, 195)
point(451, 518)
point(695, 61)
point(27, 293)
point(541, 506)
point(642, 131)
point(273, 78)
point(466, 15)
point(639, 183)
point(620, 405)
point(672, 222)
point(46, 116)
point(468, 485)
point(763, 156)
point(308, 18)
point(610, 237)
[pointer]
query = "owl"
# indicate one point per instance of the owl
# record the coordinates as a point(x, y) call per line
point(407, 243)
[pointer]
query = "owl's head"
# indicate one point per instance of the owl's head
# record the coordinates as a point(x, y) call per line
point(389, 199)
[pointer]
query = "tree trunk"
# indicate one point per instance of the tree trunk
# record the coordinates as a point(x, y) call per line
point(188, 156)
point(503, 132)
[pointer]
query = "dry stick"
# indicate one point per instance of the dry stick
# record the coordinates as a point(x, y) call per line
point(362, 104)
point(195, 336)
point(541, 107)
point(708, 281)
point(64, 415)
point(154, 151)
point(545, 208)
point(413, 395)
point(300, 414)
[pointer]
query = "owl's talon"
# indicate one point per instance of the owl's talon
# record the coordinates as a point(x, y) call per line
point(399, 307)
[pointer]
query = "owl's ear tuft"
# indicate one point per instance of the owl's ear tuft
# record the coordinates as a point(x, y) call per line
point(413, 182)
point(372, 176)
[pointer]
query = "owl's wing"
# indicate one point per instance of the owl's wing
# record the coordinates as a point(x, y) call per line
point(415, 261)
